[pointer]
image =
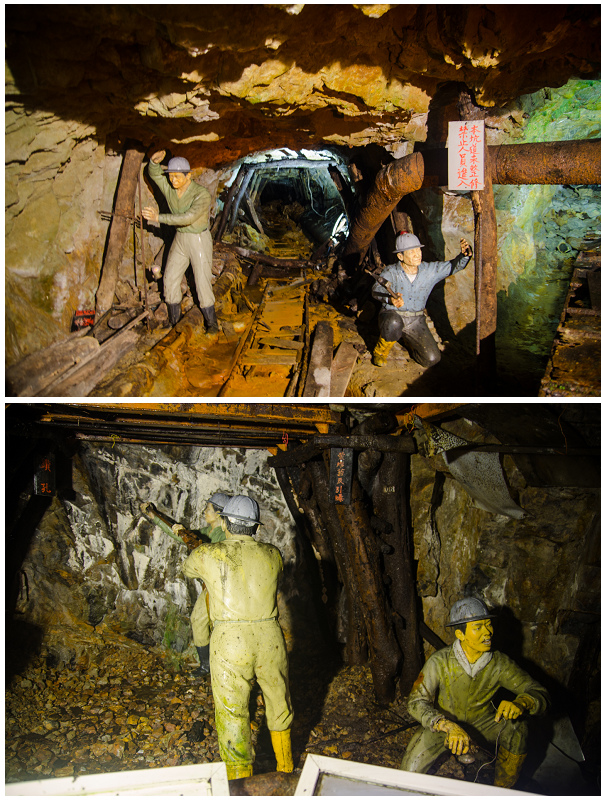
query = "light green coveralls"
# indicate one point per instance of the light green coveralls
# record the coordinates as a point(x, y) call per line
point(241, 577)
point(192, 243)
point(199, 618)
point(467, 701)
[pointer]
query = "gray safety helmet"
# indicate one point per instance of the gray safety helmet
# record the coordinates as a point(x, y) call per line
point(406, 241)
point(178, 164)
point(218, 500)
point(242, 509)
point(467, 610)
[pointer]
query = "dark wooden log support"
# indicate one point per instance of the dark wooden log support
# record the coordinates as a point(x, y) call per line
point(363, 552)
point(356, 637)
point(485, 261)
point(320, 442)
point(390, 503)
point(120, 225)
point(376, 569)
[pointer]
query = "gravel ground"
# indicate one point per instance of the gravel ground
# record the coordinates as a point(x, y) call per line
point(134, 707)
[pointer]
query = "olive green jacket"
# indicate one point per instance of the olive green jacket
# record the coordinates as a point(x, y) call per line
point(241, 576)
point(215, 535)
point(444, 686)
point(190, 212)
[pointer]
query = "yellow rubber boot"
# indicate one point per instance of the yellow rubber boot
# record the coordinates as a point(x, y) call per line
point(508, 767)
point(283, 750)
point(381, 352)
point(238, 770)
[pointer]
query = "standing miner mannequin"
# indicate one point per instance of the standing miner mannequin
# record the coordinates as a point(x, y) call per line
point(189, 204)
point(403, 318)
point(456, 687)
point(199, 618)
point(241, 577)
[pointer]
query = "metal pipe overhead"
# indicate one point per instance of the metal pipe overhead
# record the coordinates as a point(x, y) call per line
point(571, 163)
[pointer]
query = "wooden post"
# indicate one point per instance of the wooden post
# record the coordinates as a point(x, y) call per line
point(390, 499)
point(122, 217)
point(485, 262)
point(356, 641)
point(363, 554)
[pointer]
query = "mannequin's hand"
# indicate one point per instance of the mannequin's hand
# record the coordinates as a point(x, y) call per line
point(150, 214)
point(457, 739)
point(508, 710)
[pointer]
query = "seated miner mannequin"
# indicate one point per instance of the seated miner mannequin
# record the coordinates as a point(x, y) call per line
point(241, 577)
point(189, 204)
point(402, 318)
point(452, 698)
point(199, 619)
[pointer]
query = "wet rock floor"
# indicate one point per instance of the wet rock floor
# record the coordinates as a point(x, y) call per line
point(136, 707)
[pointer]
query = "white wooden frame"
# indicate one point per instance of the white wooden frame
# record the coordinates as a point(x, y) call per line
point(405, 782)
point(197, 780)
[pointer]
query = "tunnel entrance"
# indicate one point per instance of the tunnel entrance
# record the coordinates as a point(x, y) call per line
point(288, 204)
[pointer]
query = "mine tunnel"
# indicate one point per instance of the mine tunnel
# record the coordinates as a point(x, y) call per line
point(385, 516)
point(322, 134)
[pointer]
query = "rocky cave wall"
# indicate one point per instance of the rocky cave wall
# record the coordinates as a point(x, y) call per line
point(541, 571)
point(96, 568)
point(216, 86)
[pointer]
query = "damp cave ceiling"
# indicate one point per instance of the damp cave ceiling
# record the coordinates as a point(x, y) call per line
point(220, 81)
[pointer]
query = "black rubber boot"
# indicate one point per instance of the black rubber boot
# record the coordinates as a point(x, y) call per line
point(175, 312)
point(211, 319)
point(203, 656)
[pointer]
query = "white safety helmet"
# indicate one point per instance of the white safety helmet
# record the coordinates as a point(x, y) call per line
point(218, 500)
point(178, 164)
point(470, 609)
point(406, 241)
point(242, 509)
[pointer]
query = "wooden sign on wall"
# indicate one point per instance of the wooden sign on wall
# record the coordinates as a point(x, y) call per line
point(341, 474)
point(44, 479)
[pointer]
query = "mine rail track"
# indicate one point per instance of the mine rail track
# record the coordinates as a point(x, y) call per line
point(268, 343)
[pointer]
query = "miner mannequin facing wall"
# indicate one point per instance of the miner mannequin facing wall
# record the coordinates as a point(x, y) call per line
point(403, 318)
point(199, 618)
point(189, 204)
point(452, 698)
point(241, 576)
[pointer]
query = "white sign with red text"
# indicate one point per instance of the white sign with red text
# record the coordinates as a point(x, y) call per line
point(466, 155)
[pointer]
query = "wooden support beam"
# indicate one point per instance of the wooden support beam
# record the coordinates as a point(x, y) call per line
point(320, 365)
point(391, 505)
point(122, 217)
point(485, 262)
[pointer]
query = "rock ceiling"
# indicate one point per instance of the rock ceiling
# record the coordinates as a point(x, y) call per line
point(220, 81)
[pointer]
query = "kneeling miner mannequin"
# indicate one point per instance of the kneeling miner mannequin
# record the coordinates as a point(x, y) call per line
point(241, 576)
point(456, 687)
point(403, 318)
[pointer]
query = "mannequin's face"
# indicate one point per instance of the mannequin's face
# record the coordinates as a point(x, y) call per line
point(210, 514)
point(412, 258)
point(477, 638)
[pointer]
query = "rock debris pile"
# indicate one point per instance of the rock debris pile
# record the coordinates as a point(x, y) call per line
point(133, 707)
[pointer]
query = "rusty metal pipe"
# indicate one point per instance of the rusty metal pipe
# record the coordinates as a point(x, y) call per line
point(577, 162)
point(392, 182)
point(572, 163)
